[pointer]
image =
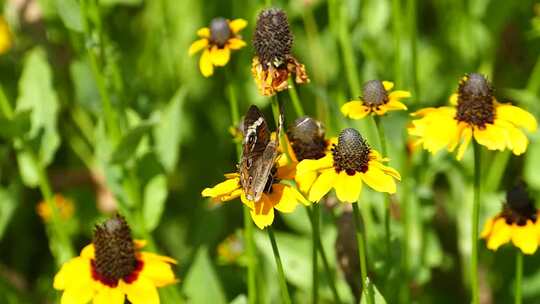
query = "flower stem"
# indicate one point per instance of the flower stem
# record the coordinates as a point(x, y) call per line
point(396, 25)
point(5, 106)
point(384, 151)
point(474, 219)
point(411, 12)
point(276, 111)
point(294, 98)
point(285, 298)
point(362, 253)
point(519, 276)
point(315, 236)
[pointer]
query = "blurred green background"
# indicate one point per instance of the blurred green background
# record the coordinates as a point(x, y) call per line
point(175, 139)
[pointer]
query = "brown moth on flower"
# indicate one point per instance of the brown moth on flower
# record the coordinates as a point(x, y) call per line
point(273, 64)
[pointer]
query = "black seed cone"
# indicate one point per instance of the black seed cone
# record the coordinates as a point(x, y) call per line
point(374, 93)
point(272, 39)
point(220, 31)
point(307, 138)
point(351, 152)
point(475, 102)
point(114, 249)
point(520, 203)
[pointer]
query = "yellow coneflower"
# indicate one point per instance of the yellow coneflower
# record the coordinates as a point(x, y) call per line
point(306, 137)
point(351, 163)
point(64, 205)
point(517, 222)
point(377, 99)
point(217, 41)
point(111, 270)
point(273, 63)
point(5, 36)
point(281, 197)
point(474, 113)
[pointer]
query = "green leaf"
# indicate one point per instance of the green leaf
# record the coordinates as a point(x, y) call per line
point(120, 2)
point(129, 143)
point(17, 126)
point(168, 132)
point(202, 284)
point(377, 296)
point(532, 163)
point(27, 168)
point(36, 94)
point(70, 13)
point(8, 204)
point(85, 86)
point(155, 195)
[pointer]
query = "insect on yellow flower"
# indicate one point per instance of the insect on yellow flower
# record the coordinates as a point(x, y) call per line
point(517, 222)
point(5, 36)
point(273, 64)
point(377, 99)
point(112, 269)
point(350, 164)
point(474, 112)
point(217, 41)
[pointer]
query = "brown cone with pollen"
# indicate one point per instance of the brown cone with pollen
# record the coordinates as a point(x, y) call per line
point(475, 101)
point(351, 153)
point(519, 207)
point(307, 138)
point(220, 31)
point(272, 39)
point(374, 94)
point(114, 251)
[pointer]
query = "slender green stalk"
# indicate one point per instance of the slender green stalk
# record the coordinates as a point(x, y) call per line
point(362, 254)
point(348, 57)
point(396, 26)
point(533, 85)
point(5, 106)
point(294, 98)
point(314, 237)
point(474, 219)
point(411, 14)
point(248, 225)
point(384, 151)
point(276, 112)
point(519, 276)
point(285, 298)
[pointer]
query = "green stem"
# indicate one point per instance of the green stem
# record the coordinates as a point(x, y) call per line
point(411, 12)
point(315, 237)
point(384, 151)
point(5, 106)
point(285, 298)
point(347, 49)
point(362, 253)
point(474, 219)
point(276, 112)
point(533, 85)
point(294, 98)
point(396, 25)
point(519, 276)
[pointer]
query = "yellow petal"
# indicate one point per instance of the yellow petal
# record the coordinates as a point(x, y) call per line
point(197, 46)
point(394, 105)
point(88, 251)
point(316, 164)
point(157, 270)
point(322, 185)
point(108, 295)
point(220, 57)
point(466, 135)
point(517, 116)
point(237, 25)
point(399, 94)
point(453, 99)
point(388, 85)
point(305, 179)
point(525, 237)
point(286, 199)
point(73, 272)
point(517, 141)
point(378, 180)
point(205, 64)
point(355, 109)
point(348, 187)
point(437, 129)
point(486, 231)
point(236, 43)
point(79, 295)
point(263, 213)
point(492, 137)
point(387, 170)
point(142, 291)
point(204, 32)
point(500, 234)
point(5, 36)
point(223, 190)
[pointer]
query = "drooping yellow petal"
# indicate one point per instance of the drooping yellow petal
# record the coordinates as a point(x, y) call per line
point(517, 141)
point(205, 64)
point(236, 43)
point(197, 46)
point(237, 25)
point(355, 109)
point(78, 295)
point(486, 231)
point(220, 56)
point(141, 291)
point(437, 129)
point(525, 237)
point(492, 137)
point(224, 191)
point(388, 85)
point(204, 32)
point(378, 180)
point(263, 212)
point(322, 185)
point(157, 270)
point(107, 295)
point(304, 180)
point(72, 273)
point(348, 187)
point(517, 116)
point(500, 234)
point(286, 200)
point(387, 170)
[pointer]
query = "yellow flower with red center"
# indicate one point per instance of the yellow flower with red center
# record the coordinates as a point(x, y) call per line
point(277, 195)
point(350, 164)
point(377, 99)
point(274, 64)
point(517, 222)
point(5, 36)
point(217, 41)
point(474, 113)
point(111, 270)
